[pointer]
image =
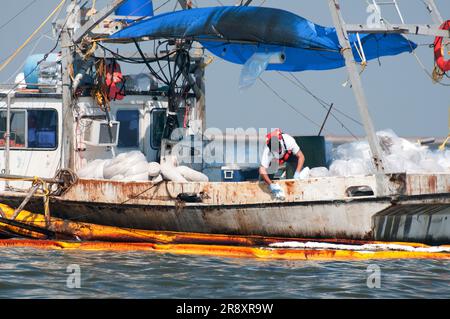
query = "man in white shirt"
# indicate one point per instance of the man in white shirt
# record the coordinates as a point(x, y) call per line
point(279, 148)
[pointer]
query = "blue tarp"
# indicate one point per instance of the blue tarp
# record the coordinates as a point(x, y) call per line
point(235, 33)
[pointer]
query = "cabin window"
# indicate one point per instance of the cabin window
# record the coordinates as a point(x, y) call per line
point(17, 129)
point(42, 129)
point(158, 120)
point(129, 128)
point(35, 129)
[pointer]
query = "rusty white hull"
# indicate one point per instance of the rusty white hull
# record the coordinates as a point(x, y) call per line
point(414, 207)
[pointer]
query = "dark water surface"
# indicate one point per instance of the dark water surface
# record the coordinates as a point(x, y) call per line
point(33, 273)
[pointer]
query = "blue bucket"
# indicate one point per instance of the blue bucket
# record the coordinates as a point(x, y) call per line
point(136, 8)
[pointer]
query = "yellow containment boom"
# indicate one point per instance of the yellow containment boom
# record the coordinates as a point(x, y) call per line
point(83, 236)
point(225, 251)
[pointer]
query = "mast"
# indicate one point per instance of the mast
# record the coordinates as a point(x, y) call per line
point(67, 60)
point(356, 82)
point(69, 37)
point(199, 76)
point(8, 136)
point(200, 81)
point(96, 19)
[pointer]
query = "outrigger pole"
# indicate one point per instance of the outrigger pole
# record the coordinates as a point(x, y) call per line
point(343, 30)
point(357, 86)
point(67, 111)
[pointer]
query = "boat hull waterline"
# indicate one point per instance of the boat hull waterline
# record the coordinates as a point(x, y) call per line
point(416, 211)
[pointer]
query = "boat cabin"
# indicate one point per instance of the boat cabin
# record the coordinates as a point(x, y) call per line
point(36, 124)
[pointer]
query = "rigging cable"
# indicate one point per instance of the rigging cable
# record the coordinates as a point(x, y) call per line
point(288, 104)
point(32, 36)
point(19, 13)
point(45, 56)
point(325, 105)
point(419, 61)
point(162, 5)
point(152, 71)
point(38, 40)
point(15, 73)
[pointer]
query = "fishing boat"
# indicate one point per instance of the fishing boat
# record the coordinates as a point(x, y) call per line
point(52, 130)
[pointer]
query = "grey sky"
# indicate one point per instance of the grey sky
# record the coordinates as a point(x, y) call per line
point(401, 96)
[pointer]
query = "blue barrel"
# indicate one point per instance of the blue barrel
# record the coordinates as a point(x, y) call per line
point(136, 8)
point(30, 70)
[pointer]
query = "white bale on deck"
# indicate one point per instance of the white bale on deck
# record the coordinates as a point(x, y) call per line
point(136, 178)
point(117, 178)
point(192, 175)
point(400, 156)
point(154, 169)
point(126, 164)
point(93, 169)
point(170, 173)
point(319, 172)
point(158, 179)
point(139, 168)
point(305, 173)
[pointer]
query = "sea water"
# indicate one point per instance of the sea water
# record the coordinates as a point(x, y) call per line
point(35, 273)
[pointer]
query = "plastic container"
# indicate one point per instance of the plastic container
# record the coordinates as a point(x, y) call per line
point(239, 174)
point(136, 8)
point(33, 73)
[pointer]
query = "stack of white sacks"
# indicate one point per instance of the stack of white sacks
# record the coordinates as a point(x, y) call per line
point(400, 156)
point(133, 166)
point(351, 159)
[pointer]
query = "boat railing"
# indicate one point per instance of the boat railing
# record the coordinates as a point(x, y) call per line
point(29, 87)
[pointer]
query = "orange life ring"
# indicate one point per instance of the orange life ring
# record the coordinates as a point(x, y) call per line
point(443, 64)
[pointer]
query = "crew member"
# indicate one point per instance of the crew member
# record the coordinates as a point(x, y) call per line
point(32, 130)
point(279, 148)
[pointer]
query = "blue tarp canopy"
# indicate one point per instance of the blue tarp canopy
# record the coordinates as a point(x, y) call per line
point(235, 33)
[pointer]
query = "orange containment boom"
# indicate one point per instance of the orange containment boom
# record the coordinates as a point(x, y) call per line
point(225, 251)
point(83, 236)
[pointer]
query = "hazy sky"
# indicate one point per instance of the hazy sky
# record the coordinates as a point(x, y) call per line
point(401, 96)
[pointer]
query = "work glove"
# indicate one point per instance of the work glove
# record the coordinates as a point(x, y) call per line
point(277, 191)
point(304, 174)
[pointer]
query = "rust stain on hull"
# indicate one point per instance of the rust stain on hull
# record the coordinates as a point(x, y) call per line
point(65, 229)
point(93, 232)
point(243, 209)
point(432, 184)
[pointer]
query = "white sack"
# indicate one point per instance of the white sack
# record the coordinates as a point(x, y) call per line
point(319, 172)
point(192, 175)
point(170, 173)
point(154, 169)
